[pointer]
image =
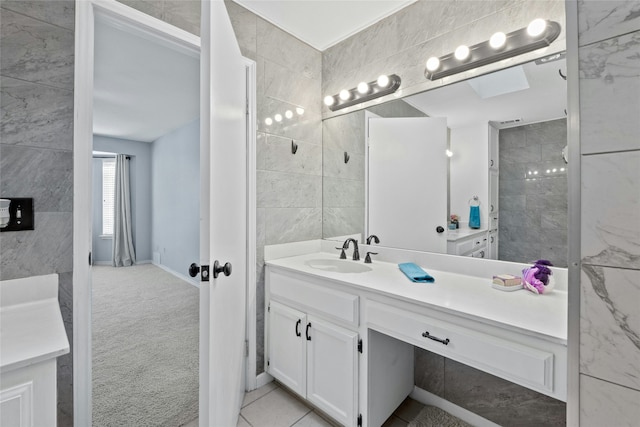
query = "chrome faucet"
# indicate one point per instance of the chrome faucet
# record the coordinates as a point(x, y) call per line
point(356, 253)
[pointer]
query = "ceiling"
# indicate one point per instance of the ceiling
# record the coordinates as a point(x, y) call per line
point(323, 23)
point(143, 89)
point(463, 105)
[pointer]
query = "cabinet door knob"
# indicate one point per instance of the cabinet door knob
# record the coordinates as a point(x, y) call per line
point(307, 331)
point(298, 327)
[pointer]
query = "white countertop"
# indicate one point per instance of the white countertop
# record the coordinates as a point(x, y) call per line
point(461, 233)
point(544, 316)
point(31, 327)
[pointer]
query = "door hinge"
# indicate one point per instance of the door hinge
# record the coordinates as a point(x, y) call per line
point(204, 273)
point(359, 420)
point(359, 346)
point(246, 348)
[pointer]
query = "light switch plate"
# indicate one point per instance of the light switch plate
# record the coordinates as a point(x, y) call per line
point(25, 207)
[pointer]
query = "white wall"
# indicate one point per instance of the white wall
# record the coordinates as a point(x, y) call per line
point(175, 176)
point(469, 171)
point(140, 175)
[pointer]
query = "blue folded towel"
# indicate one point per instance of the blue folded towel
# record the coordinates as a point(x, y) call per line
point(415, 273)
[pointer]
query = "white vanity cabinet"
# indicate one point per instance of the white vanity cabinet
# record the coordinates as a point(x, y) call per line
point(308, 353)
point(471, 243)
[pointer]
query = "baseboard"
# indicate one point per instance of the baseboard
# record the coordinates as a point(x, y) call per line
point(427, 398)
point(263, 379)
point(189, 280)
point(144, 261)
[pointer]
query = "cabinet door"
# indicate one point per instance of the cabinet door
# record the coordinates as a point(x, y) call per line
point(332, 366)
point(287, 347)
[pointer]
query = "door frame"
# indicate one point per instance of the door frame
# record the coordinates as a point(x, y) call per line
point(138, 22)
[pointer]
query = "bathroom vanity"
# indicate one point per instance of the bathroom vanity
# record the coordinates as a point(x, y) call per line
point(341, 333)
point(32, 337)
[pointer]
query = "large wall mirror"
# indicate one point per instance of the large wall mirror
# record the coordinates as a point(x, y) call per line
point(491, 148)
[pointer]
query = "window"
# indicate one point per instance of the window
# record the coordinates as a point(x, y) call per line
point(108, 195)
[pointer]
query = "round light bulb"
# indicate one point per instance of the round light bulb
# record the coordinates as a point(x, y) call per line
point(536, 27)
point(548, 170)
point(462, 52)
point(278, 117)
point(344, 94)
point(363, 88)
point(561, 169)
point(329, 100)
point(498, 40)
point(433, 63)
point(288, 114)
point(268, 121)
point(383, 81)
point(535, 172)
point(300, 111)
point(555, 170)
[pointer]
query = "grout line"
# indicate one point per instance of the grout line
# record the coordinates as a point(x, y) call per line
point(610, 382)
point(300, 419)
point(8, 9)
point(70, 91)
point(245, 420)
point(270, 391)
point(599, 153)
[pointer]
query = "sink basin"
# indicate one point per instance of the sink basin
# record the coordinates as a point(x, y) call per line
point(338, 265)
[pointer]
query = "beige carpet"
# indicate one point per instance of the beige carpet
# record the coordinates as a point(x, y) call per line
point(430, 416)
point(145, 347)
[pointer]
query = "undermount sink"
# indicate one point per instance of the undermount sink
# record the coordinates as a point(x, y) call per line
point(338, 265)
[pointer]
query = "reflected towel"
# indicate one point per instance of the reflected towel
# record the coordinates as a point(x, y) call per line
point(474, 217)
point(415, 273)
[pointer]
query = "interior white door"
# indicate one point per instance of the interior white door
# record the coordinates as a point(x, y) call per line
point(223, 218)
point(407, 182)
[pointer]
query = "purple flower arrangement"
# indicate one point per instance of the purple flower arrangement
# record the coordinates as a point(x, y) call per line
point(538, 278)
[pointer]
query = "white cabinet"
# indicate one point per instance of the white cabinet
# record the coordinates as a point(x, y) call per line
point(474, 245)
point(307, 353)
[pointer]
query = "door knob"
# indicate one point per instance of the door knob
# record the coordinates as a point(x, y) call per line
point(217, 269)
point(194, 269)
point(439, 229)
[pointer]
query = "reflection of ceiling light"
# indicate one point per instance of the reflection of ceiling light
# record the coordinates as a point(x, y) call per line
point(555, 170)
point(534, 172)
point(363, 88)
point(288, 114)
point(462, 52)
point(278, 117)
point(268, 121)
point(383, 80)
point(530, 172)
point(449, 153)
point(548, 170)
point(300, 111)
point(536, 27)
point(562, 169)
point(329, 100)
point(433, 63)
point(498, 40)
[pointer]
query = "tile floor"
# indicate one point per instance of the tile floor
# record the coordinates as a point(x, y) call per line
point(273, 406)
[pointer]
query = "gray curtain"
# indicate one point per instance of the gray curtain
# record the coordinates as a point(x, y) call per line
point(123, 253)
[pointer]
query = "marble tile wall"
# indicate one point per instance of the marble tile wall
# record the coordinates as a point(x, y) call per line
point(402, 42)
point(289, 186)
point(533, 208)
point(609, 52)
point(36, 152)
point(503, 402)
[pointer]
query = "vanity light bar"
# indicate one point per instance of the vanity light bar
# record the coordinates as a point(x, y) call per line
point(515, 43)
point(347, 98)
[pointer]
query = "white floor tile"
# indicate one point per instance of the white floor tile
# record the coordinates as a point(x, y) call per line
point(312, 420)
point(242, 422)
point(276, 409)
point(256, 394)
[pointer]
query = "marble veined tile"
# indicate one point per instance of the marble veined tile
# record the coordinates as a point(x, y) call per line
point(611, 210)
point(244, 26)
point(288, 190)
point(59, 12)
point(610, 94)
point(345, 132)
point(150, 7)
point(291, 86)
point(35, 115)
point(45, 175)
point(606, 404)
point(304, 125)
point(286, 225)
point(334, 164)
point(275, 154)
point(610, 324)
point(600, 20)
point(342, 193)
point(50, 244)
point(342, 221)
point(183, 14)
point(281, 47)
point(35, 51)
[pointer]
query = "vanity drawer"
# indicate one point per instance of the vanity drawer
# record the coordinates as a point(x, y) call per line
point(313, 297)
point(522, 364)
point(465, 246)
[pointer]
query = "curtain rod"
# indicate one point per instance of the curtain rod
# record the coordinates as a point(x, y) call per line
point(102, 156)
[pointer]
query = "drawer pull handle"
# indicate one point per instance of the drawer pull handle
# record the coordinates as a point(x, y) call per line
point(431, 337)
point(298, 327)
point(306, 332)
